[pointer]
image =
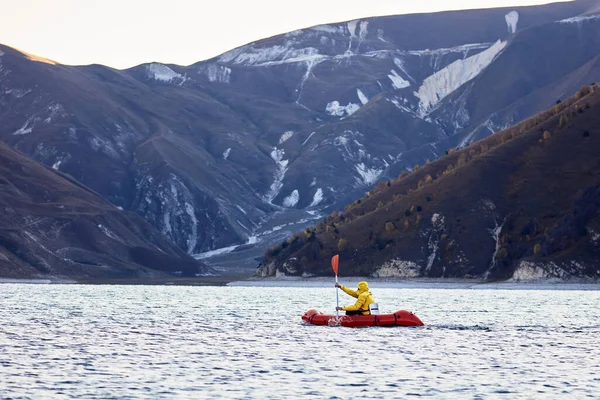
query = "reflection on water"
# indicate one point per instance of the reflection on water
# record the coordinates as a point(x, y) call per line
point(71, 341)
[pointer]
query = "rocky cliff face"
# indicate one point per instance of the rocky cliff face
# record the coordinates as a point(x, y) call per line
point(288, 128)
point(523, 203)
point(53, 227)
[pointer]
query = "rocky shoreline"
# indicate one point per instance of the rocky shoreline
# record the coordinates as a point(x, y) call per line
point(422, 283)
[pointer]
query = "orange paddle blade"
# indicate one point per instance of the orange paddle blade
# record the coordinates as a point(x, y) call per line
point(334, 263)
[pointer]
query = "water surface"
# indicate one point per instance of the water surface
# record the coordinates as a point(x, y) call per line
point(104, 342)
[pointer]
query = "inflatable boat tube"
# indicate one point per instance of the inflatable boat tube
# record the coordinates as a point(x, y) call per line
point(399, 318)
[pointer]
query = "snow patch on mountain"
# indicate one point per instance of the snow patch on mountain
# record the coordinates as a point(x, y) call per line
point(309, 136)
point(286, 136)
point(361, 96)
point(317, 198)
point(327, 29)
point(218, 73)
point(433, 243)
point(581, 18)
point(397, 80)
point(400, 64)
point(27, 127)
point(335, 109)
point(362, 33)
point(282, 167)
point(512, 19)
point(464, 48)
point(18, 93)
point(163, 73)
point(367, 176)
point(439, 85)
point(211, 253)
point(291, 200)
point(252, 56)
point(109, 233)
point(98, 143)
point(193, 234)
point(403, 107)
point(352, 28)
point(226, 153)
point(60, 160)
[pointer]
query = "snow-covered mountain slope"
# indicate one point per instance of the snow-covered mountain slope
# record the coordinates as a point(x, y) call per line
point(308, 120)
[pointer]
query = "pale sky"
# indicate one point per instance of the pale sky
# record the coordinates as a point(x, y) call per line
point(125, 33)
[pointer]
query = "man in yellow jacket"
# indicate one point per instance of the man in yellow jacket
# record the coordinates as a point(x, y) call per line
point(363, 299)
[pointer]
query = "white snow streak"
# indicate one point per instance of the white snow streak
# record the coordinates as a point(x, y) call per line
point(292, 199)
point(193, 237)
point(163, 73)
point(317, 198)
point(218, 73)
point(277, 156)
point(216, 252)
point(327, 29)
point(512, 19)
point(496, 236)
point(25, 129)
point(226, 153)
point(286, 136)
point(447, 80)
point(447, 50)
point(368, 176)
point(334, 108)
point(361, 96)
point(108, 232)
point(580, 18)
point(397, 80)
point(309, 136)
point(400, 64)
point(248, 55)
point(437, 220)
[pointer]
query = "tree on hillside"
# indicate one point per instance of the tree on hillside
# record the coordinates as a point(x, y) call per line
point(390, 227)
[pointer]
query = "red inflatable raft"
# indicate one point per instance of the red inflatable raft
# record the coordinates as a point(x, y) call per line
point(399, 318)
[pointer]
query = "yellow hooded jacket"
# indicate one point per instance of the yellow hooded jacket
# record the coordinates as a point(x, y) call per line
point(363, 298)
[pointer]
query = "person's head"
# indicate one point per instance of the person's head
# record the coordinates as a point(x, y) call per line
point(362, 286)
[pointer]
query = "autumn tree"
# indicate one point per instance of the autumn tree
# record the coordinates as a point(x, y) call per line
point(547, 135)
point(390, 227)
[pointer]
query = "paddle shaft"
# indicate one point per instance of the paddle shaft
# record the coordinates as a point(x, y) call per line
point(337, 299)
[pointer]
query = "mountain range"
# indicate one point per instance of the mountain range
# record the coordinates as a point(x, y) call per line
point(228, 156)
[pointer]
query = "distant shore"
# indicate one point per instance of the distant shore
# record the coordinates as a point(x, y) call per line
point(317, 282)
point(420, 283)
point(175, 281)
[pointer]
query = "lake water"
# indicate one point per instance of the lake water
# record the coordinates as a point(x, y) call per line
point(175, 342)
